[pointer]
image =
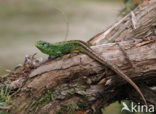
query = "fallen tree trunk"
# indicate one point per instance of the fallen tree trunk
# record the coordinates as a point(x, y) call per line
point(82, 80)
point(81, 85)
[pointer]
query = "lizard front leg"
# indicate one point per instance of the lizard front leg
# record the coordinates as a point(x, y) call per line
point(58, 55)
point(52, 57)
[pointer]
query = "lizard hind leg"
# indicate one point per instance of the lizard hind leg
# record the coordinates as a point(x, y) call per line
point(74, 51)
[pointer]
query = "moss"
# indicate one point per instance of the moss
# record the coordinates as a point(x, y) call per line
point(47, 97)
point(44, 100)
point(71, 91)
point(81, 88)
point(82, 104)
point(65, 109)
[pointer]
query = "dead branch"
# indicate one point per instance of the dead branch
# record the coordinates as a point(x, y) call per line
point(123, 29)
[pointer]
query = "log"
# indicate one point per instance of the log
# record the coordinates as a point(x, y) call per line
point(79, 79)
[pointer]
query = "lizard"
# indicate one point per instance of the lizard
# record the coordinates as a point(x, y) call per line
point(61, 48)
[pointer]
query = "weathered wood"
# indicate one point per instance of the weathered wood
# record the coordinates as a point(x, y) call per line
point(123, 29)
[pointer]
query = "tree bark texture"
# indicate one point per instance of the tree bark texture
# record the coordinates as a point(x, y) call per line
point(124, 28)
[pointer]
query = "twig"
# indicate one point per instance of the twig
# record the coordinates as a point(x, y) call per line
point(5, 107)
point(134, 20)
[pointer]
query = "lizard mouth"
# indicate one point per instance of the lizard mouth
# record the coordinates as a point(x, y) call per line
point(36, 44)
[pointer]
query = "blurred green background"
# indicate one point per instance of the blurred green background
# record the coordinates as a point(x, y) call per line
point(23, 22)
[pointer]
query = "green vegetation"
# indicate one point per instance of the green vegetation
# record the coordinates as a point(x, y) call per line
point(47, 97)
point(5, 99)
point(83, 104)
point(130, 5)
point(65, 109)
point(44, 100)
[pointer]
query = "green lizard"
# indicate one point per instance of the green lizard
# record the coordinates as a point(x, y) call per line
point(61, 48)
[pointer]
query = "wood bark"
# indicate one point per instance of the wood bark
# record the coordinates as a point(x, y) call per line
point(80, 84)
point(124, 28)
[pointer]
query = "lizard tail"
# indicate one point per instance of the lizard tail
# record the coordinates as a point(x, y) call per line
point(95, 56)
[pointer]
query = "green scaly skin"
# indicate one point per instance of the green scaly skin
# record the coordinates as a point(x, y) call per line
point(58, 49)
point(61, 48)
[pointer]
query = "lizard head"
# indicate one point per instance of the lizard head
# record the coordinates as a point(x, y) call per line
point(44, 47)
